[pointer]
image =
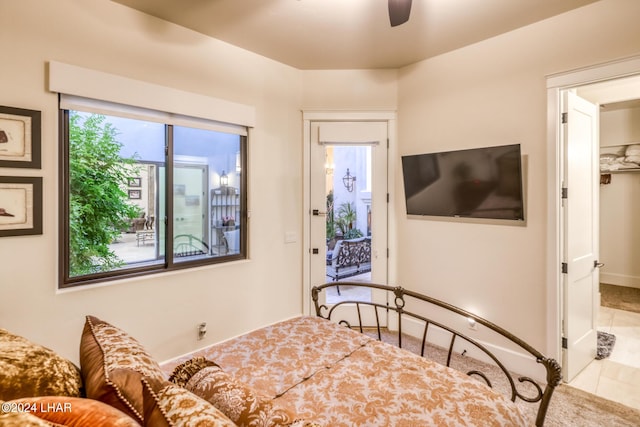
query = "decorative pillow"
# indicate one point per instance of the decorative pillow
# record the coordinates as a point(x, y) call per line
point(113, 364)
point(243, 405)
point(11, 417)
point(28, 369)
point(183, 372)
point(75, 411)
point(167, 404)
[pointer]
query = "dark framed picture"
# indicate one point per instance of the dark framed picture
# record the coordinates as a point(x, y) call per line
point(135, 182)
point(135, 194)
point(20, 144)
point(20, 206)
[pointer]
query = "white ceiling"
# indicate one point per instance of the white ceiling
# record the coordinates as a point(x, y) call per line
point(351, 34)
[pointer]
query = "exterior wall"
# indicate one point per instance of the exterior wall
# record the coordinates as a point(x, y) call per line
point(494, 93)
point(162, 311)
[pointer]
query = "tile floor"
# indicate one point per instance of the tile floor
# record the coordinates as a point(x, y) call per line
point(617, 377)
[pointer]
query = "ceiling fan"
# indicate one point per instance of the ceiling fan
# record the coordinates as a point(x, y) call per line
point(399, 11)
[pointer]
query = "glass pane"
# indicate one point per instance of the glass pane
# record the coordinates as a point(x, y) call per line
point(348, 225)
point(206, 194)
point(113, 193)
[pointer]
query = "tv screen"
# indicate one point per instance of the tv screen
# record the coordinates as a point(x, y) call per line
point(475, 183)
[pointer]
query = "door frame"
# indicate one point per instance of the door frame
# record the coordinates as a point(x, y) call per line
point(556, 84)
point(309, 116)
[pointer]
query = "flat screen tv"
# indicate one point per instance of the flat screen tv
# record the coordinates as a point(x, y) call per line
point(475, 183)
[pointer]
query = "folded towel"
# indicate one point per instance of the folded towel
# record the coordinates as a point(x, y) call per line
point(633, 150)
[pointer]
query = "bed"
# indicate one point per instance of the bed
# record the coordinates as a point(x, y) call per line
point(332, 375)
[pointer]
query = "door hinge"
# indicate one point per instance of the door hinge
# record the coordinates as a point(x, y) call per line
point(565, 118)
point(565, 343)
point(387, 197)
point(565, 192)
point(565, 268)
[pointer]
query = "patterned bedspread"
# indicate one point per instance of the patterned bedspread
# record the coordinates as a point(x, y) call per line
point(339, 377)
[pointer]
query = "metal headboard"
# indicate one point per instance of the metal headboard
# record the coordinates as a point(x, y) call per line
point(401, 296)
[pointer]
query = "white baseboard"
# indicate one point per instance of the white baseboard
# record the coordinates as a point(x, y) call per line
point(620, 280)
point(514, 360)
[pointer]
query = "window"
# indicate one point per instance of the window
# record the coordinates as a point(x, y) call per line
point(143, 194)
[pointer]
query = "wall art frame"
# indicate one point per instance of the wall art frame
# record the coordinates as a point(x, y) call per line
point(20, 138)
point(20, 205)
point(135, 182)
point(135, 194)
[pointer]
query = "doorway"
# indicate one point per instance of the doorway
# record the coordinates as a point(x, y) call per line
point(346, 202)
point(612, 84)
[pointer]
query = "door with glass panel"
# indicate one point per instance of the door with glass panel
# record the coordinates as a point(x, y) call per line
point(190, 209)
point(348, 198)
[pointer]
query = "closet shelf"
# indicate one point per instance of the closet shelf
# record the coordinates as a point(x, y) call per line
point(619, 150)
point(628, 170)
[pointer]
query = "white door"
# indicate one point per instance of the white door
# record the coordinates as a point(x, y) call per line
point(580, 210)
point(348, 174)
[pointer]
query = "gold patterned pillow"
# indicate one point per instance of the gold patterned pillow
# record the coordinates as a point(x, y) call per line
point(15, 418)
point(167, 404)
point(113, 364)
point(73, 411)
point(243, 405)
point(29, 369)
point(183, 372)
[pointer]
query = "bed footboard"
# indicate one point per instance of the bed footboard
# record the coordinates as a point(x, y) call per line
point(425, 324)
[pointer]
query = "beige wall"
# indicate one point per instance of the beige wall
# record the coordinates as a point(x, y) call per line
point(486, 94)
point(162, 311)
point(493, 93)
point(350, 90)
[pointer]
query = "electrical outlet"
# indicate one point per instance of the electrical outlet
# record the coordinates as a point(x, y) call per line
point(202, 330)
point(472, 323)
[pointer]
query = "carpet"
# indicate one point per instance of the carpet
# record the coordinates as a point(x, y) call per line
point(606, 342)
point(569, 406)
point(620, 297)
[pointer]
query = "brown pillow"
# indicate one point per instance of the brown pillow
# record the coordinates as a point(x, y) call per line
point(113, 364)
point(29, 369)
point(75, 411)
point(242, 404)
point(183, 372)
point(167, 404)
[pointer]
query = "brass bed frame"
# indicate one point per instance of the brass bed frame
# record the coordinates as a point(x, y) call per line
point(536, 391)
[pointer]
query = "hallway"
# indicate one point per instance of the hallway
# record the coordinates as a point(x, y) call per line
point(617, 377)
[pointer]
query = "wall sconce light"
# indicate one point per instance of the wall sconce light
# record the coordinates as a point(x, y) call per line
point(224, 179)
point(348, 180)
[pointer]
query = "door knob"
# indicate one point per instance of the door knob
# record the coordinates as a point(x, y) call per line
point(317, 212)
point(597, 264)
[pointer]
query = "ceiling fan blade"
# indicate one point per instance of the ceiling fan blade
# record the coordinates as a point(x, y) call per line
point(399, 11)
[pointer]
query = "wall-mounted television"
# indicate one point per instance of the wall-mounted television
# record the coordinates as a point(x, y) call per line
point(475, 183)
